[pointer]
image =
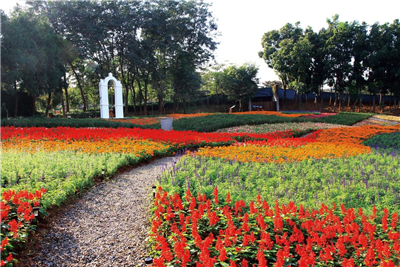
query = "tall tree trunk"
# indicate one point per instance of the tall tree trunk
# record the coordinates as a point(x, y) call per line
point(373, 101)
point(284, 95)
point(184, 105)
point(33, 106)
point(140, 97)
point(175, 105)
point(62, 103)
point(126, 99)
point(146, 83)
point(321, 93)
point(125, 81)
point(60, 87)
point(300, 96)
point(348, 101)
point(15, 100)
point(295, 97)
point(48, 105)
point(335, 102)
point(66, 92)
point(340, 100)
point(160, 103)
point(316, 102)
point(306, 101)
point(78, 80)
point(330, 97)
point(133, 95)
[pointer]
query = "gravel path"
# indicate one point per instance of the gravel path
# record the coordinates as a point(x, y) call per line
point(107, 226)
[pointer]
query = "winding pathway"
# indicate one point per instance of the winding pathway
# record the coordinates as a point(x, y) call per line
point(107, 226)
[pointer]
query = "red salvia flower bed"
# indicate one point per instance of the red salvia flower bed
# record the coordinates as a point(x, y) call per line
point(199, 231)
point(181, 138)
point(17, 218)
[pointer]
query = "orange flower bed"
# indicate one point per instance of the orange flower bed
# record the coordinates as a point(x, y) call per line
point(354, 135)
point(180, 116)
point(122, 146)
point(140, 121)
point(276, 113)
point(282, 154)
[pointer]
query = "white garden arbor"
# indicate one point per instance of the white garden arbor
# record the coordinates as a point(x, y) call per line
point(104, 107)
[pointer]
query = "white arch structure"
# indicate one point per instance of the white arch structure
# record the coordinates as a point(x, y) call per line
point(104, 107)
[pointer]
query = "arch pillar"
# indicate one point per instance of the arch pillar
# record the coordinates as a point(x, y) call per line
point(104, 105)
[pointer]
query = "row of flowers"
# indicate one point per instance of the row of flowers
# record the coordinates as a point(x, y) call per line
point(188, 230)
point(282, 151)
point(156, 120)
point(274, 147)
point(180, 138)
point(277, 127)
point(137, 148)
point(354, 135)
point(325, 143)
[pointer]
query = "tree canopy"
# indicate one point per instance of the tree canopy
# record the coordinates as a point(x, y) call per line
point(140, 42)
point(349, 56)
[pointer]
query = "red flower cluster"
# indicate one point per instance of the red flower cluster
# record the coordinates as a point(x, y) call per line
point(180, 138)
point(16, 214)
point(201, 231)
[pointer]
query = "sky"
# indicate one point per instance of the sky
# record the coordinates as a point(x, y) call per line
point(242, 23)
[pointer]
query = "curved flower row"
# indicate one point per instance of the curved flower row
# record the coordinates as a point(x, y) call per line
point(122, 146)
point(281, 151)
point(275, 113)
point(180, 116)
point(198, 230)
point(354, 135)
point(268, 128)
point(180, 138)
point(387, 117)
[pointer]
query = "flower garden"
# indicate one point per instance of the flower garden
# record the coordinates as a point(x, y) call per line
point(284, 194)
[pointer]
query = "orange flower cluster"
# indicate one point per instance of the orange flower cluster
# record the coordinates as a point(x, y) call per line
point(140, 121)
point(354, 135)
point(282, 154)
point(123, 146)
point(180, 116)
point(276, 113)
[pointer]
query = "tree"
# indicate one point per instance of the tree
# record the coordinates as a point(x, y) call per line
point(360, 53)
point(240, 83)
point(380, 59)
point(177, 28)
point(211, 79)
point(31, 56)
point(277, 47)
point(339, 55)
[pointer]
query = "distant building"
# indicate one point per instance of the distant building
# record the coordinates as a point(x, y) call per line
point(262, 100)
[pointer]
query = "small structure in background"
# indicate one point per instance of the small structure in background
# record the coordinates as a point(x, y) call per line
point(166, 123)
point(230, 109)
point(263, 101)
point(104, 106)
